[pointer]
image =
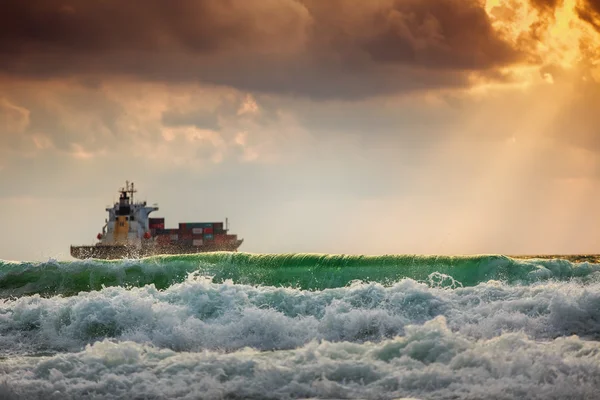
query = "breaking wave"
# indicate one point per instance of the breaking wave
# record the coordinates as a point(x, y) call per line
point(238, 325)
point(199, 315)
point(303, 271)
point(428, 362)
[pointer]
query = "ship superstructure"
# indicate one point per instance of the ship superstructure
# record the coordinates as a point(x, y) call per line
point(127, 221)
point(129, 232)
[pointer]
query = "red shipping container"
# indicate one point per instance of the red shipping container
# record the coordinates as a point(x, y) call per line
point(208, 230)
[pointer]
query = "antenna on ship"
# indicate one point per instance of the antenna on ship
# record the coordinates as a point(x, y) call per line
point(132, 191)
point(129, 189)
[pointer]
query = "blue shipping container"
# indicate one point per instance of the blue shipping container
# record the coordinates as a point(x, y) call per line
point(208, 237)
point(192, 225)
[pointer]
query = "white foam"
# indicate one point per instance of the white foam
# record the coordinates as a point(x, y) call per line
point(199, 315)
point(429, 362)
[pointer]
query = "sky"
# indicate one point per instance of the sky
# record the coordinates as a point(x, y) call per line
point(339, 126)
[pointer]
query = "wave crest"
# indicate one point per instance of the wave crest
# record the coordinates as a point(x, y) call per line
point(303, 271)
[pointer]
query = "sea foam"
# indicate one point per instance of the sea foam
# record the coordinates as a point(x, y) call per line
point(199, 315)
point(429, 361)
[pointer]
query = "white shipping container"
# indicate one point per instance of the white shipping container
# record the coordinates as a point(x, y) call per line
point(174, 237)
point(198, 242)
point(197, 231)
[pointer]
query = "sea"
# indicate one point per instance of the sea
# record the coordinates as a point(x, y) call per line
point(301, 326)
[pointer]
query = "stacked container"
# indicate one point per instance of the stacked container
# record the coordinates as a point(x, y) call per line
point(197, 234)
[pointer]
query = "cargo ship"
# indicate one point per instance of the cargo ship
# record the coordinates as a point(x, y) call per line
point(130, 233)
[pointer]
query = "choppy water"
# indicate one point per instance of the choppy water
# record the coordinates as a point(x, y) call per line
point(224, 325)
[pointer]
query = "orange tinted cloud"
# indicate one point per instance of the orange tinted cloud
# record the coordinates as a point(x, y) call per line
point(589, 11)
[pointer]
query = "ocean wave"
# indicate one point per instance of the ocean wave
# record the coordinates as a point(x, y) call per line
point(428, 361)
point(199, 315)
point(303, 271)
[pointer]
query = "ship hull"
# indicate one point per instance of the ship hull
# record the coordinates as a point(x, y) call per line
point(116, 252)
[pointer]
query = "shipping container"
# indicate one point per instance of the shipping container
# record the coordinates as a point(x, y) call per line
point(197, 231)
point(156, 223)
point(208, 237)
point(166, 231)
point(198, 242)
point(197, 236)
point(174, 237)
point(208, 230)
point(192, 225)
point(217, 226)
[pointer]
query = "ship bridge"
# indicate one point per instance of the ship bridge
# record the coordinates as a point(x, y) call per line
point(127, 220)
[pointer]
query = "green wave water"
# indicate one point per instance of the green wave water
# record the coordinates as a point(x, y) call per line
point(304, 271)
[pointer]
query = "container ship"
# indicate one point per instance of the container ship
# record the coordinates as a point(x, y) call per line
point(130, 233)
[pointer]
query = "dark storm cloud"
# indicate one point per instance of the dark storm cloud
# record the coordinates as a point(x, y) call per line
point(151, 25)
point(318, 48)
point(440, 34)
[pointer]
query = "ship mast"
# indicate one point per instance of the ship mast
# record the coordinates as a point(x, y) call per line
point(129, 189)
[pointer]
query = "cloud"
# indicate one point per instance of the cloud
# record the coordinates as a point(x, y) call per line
point(547, 5)
point(589, 11)
point(201, 26)
point(13, 119)
point(447, 34)
point(57, 115)
point(311, 48)
point(200, 118)
point(160, 127)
